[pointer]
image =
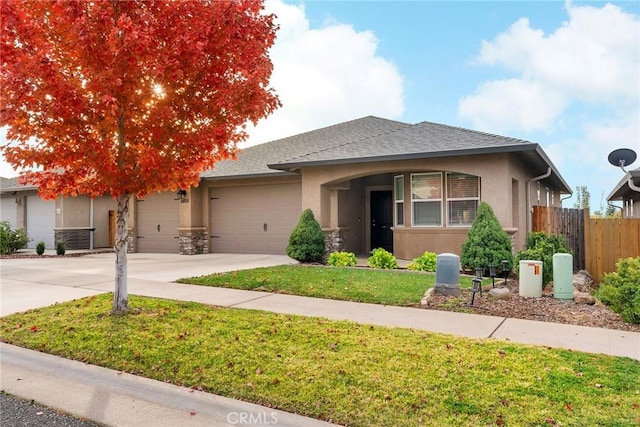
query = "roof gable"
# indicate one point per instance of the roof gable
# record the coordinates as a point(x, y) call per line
point(254, 161)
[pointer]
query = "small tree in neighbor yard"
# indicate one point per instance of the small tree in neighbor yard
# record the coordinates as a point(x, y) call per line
point(306, 242)
point(128, 98)
point(487, 243)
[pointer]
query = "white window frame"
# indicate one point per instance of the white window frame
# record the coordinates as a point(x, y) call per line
point(397, 220)
point(416, 201)
point(454, 199)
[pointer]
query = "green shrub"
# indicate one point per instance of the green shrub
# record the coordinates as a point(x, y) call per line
point(487, 243)
point(425, 262)
point(11, 240)
point(306, 242)
point(342, 259)
point(541, 247)
point(40, 248)
point(621, 290)
point(381, 258)
point(60, 247)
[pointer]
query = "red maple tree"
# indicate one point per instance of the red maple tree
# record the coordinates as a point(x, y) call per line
point(130, 97)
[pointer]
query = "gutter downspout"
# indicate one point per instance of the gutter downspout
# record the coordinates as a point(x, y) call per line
point(529, 207)
point(632, 185)
point(565, 198)
point(91, 224)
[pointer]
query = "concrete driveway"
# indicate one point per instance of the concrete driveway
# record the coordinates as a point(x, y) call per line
point(37, 282)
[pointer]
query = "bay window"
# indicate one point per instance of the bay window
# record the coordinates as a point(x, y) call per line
point(426, 199)
point(463, 197)
point(398, 198)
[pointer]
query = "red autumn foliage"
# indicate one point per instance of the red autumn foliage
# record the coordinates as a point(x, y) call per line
point(129, 97)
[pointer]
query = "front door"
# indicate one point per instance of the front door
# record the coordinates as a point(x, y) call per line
point(381, 220)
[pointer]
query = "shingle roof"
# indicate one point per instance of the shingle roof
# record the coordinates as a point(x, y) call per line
point(254, 161)
point(424, 139)
point(372, 139)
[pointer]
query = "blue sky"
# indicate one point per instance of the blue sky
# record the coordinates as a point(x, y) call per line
point(563, 74)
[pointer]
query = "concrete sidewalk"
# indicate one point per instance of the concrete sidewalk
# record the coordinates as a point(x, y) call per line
point(121, 400)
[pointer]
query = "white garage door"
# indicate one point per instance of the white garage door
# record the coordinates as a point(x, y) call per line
point(254, 219)
point(41, 219)
point(8, 210)
point(158, 217)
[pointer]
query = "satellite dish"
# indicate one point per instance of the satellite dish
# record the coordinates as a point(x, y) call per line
point(622, 157)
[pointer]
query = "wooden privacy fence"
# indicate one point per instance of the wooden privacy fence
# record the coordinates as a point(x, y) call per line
point(568, 223)
point(597, 243)
point(607, 240)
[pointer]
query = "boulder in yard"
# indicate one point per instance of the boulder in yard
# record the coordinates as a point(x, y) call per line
point(582, 281)
point(583, 298)
point(500, 293)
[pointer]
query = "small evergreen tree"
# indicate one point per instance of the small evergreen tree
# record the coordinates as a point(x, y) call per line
point(487, 243)
point(306, 242)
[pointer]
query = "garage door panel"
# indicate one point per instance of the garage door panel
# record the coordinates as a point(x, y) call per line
point(9, 210)
point(41, 220)
point(239, 215)
point(157, 222)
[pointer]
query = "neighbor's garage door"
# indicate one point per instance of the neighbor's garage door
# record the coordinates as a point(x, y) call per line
point(41, 219)
point(157, 218)
point(254, 219)
point(9, 210)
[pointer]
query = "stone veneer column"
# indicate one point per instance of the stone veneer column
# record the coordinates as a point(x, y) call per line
point(333, 240)
point(193, 241)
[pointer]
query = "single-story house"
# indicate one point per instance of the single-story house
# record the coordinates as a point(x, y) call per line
point(627, 191)
point(370, 182)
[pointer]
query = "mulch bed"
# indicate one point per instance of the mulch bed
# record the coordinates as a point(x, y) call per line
point(545, 309)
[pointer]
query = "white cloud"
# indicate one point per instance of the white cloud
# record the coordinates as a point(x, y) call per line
point(326, 75)
point(592, 58)
point(491, 107)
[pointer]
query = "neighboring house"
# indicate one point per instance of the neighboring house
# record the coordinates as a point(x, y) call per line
point(81, 222)
point(628, 192)
point(370, 182)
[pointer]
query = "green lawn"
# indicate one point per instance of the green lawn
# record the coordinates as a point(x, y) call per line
point(391, 287)
point(349, 373)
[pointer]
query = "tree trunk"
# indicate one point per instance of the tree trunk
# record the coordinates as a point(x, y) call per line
point(120, 296)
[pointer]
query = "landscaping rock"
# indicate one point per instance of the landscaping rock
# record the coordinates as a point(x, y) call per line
point(426, 297)
point(583, 298)
point(500, 293)
point(582, 281)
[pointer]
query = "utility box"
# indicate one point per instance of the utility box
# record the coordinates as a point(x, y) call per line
point(530, 278)
point(447, 274)
point(563, 276)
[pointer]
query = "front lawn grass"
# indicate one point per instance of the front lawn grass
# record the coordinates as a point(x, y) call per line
point(352, 374)
point(390, 287)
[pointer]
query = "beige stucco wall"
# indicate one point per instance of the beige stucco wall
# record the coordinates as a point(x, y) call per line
point(504, 186)
point(73, 212)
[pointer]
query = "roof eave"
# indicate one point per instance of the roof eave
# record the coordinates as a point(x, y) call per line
point(248, 176)
point(288, 166)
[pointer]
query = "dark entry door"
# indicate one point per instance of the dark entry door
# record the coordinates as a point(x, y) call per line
point(381, 220)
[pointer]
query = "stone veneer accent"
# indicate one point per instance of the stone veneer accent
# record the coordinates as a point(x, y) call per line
point(73, 238)
point(131, 241)
point(193, 241)
point(333, 240)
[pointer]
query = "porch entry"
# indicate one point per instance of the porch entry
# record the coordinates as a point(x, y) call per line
point(381, 210)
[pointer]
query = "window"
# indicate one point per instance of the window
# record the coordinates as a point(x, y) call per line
point(463, 197)
point(426, 199)
point(398, 197)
